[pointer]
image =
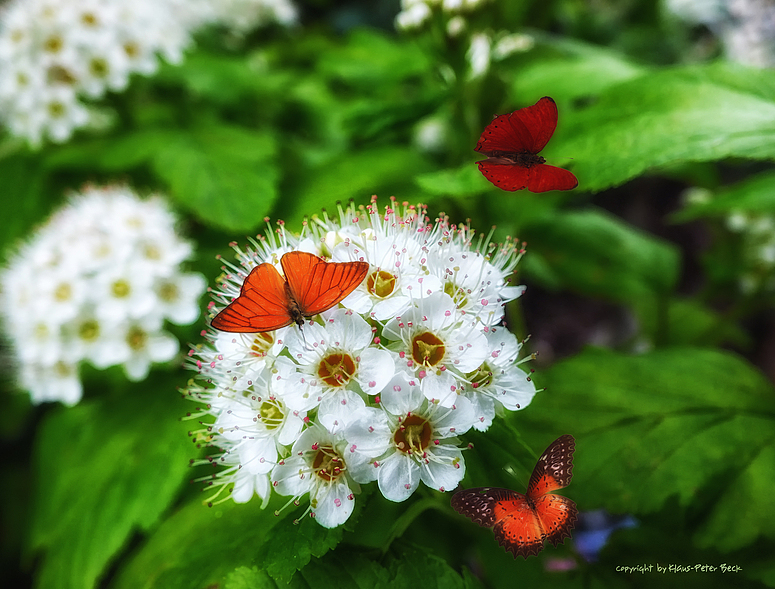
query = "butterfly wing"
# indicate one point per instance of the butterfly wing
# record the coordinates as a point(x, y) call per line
point(262, 304)
point(317, 285)
point(543, 178)
point(557, 515)
point(514, 522)
point(509, 177)
point(554, 469)
point(525, 130)
point(520, 531)
point(479, 504)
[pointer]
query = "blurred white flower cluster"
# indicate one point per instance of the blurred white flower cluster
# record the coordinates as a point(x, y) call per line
point(96, 284)
point(379, 388)
point(414, 13)
point(745, 27)
point(244, 15)
point(54, 54)
point(758, 242)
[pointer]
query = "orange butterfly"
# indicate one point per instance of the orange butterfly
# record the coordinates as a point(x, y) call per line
point(523, 522)
point(267, 302)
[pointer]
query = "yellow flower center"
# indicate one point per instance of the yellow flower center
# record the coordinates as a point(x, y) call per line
point(89, 330)
point(270, 414)
point(121, 289)
point(413, 436)
point(427, 349)
point(137, 338)
point(327, 464)
point(381, 283)
point(262, 343)
point(336, 370)
point(63, 292)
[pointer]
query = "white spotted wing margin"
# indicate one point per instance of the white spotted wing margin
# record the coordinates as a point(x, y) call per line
point(478, 504)
point(554, 469)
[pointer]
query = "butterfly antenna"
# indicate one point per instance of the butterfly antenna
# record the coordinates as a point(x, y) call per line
point(307, 347)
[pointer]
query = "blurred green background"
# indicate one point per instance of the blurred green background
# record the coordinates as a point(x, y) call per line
point(653, 319)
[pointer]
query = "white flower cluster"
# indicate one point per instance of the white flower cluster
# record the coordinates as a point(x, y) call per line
point(96, 283)
point(244, 15)
point(415, 13)
point(380, 387)
point(54, 54)
point(758, 253)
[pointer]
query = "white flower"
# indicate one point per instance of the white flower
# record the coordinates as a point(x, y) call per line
point(413, 14)
point(259, 424)
point(418, 441)
point(139, 343)
point(244, 15)
point(397, 275)
point(177, 297)
point(334, 367)
point(238, 358)
point(124, 291)
point(510, 44)
point(59, 382)
point(318, 466)
point(242, 483)
point(88, 338)
point(432, 134)
point(437, 344)
point(498, 382)
point(478, 55)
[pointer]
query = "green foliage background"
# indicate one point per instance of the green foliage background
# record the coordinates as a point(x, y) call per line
point(674, 422)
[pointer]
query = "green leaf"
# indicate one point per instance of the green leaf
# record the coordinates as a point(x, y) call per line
point(755, 194)
point(224, 175)
point(373, 60)
point(23, 182)
point(105, 469)
point(115, 154)
point(572, 69)
point(414, 567)
point(291, 548)
point(691, 423)
point(200, 546)
point(248, 578)
point(382, 170)
point(466, 180)
point(596, 254)
point(691, 323)
point(671, 116)
point(227, 79)
point(345, 568)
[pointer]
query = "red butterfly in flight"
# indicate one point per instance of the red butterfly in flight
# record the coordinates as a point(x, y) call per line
point(267, 302)
point(511, 143)
point(523, 522)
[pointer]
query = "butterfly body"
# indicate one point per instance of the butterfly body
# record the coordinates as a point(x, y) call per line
point(294, 311)
point(512, 142)
point(267, 301)
point(522, 523)
point(523, 159)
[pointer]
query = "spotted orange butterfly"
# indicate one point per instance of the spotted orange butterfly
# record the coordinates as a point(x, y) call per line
point(267, 301)
point(511, 143)
point(523, 522)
